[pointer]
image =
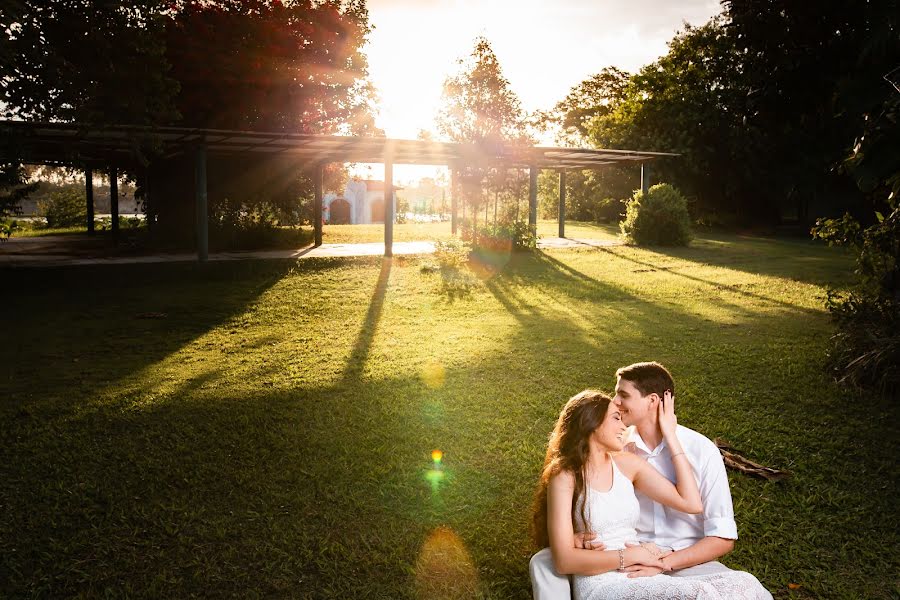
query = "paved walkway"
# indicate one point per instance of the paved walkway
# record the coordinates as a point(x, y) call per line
point(52, 251)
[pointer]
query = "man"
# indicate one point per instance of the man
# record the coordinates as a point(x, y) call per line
point(694, 541)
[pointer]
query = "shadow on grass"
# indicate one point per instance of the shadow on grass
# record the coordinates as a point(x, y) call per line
point(321, 490)
point(790, 258)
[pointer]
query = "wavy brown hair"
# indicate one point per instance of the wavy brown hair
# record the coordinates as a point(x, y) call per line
point(568, 451)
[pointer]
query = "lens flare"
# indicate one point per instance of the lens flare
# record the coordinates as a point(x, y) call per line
point(434, 374)
point(437, 456)
point(444, 569)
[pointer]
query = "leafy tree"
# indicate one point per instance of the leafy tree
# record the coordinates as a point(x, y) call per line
point(480, 108)
point(814, 80)
point(13, 189)
point(692, 101)
point(596, 96)
point(90, 61)
point(292, 66)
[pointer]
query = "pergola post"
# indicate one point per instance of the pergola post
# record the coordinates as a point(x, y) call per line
point(114, 201)
point(388, 207)
point(562, 203)
point(532, 198)
point(317, 208)
point(149, 217)
point(645, 178)
point(201, 203)
point(89, 193)
point(454, 204)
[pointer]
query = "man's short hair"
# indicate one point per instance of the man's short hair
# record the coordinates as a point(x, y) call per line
point(648, 378)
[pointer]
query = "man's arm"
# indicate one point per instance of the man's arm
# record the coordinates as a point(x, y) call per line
point(705, 550)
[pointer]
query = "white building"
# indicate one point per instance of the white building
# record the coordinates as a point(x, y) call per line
point(362, 202)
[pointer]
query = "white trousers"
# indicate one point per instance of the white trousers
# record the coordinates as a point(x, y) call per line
point(547, 584)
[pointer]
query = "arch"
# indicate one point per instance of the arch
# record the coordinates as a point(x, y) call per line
point(339, 212)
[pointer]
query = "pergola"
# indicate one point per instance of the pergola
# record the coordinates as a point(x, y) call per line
point(126, 147)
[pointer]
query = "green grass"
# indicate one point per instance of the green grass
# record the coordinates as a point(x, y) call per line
point(270, 435)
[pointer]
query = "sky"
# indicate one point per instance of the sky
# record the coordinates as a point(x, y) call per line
point(545, 47)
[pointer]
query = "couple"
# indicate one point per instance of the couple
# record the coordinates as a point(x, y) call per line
point(615, 521)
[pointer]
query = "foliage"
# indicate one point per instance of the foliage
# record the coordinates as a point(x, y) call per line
point(585, 191)
point(609, 210)
point(452, 258)
point(596, 96)
point(479, 108)
point(866, 349)
point(65, 207)
point(286, 66)
point(90, 61)
point(507, 237)
point(659, 219)
point(13, 189)
point(815, 76)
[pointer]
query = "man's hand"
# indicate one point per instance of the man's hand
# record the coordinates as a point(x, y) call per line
point(642, 571)
point(586, 541)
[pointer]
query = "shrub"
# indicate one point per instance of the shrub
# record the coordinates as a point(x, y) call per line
point(65, 207)
point(608, 210)
point(660, 219)
point(507, 236)
point(865, 351)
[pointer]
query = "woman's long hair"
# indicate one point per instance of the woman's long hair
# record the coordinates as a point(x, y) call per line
point(568, 451)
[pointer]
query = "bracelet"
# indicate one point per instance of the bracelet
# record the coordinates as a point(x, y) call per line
point(622, 559)
point(677, 454)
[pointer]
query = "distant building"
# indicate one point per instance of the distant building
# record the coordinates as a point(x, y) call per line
point(362, 202)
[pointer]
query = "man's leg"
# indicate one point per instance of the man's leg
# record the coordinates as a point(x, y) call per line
point(708, 568)
point(546, 583)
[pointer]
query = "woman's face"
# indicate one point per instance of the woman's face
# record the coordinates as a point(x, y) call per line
point(611, 432)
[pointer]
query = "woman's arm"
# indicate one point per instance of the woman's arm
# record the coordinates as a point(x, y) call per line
point(569, 560)
point(684, 495)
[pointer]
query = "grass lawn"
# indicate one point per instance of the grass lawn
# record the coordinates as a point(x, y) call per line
point(265, 428)
point(408, 232)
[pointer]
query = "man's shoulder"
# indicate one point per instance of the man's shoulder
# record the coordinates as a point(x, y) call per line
point(695, 442)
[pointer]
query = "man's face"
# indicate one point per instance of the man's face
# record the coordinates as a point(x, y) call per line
point(634, 406)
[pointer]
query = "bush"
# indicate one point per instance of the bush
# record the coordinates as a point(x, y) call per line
point(866, 349)
point(65, 207)
point(507, 237)
point(660, 219)
point(608, 210)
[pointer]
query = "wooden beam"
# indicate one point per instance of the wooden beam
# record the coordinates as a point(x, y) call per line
point(562, 203)
point(645, 178)
point(114, 201)
point(201, 203)
point(318, 177)
point(532, 198)
point(388, 208)
point(89, 192)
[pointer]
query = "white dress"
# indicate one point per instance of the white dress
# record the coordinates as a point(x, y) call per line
point(613, 516)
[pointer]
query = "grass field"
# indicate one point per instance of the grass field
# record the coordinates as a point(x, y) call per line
point(265, 429)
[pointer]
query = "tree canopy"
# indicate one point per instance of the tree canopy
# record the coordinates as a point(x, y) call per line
point(242, 64)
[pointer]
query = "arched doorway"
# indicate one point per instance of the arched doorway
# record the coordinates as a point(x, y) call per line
point(377, 208)
point(340, 212)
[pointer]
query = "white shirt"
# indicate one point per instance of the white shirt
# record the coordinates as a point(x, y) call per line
point(670, 528)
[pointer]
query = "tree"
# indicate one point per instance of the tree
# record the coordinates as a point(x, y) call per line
point(596, 96)
point(692, 101)
point(13, 189)
point(292, 66)
point(90, 61)
point(481, 109)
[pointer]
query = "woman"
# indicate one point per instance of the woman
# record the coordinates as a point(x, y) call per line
point(588, 484)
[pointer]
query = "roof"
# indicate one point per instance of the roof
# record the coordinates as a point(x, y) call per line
point(123, 146)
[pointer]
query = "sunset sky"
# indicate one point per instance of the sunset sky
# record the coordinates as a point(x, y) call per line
point(544, 46)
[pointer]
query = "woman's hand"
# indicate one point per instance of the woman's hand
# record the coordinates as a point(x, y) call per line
point(666, 414)
point(638, 555)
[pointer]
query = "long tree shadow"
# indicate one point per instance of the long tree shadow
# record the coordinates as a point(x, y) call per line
point(793, 259)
